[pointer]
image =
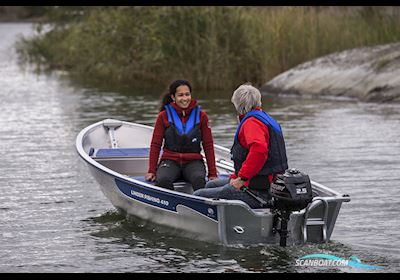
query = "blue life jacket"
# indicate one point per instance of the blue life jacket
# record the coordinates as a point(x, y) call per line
point(277, 160)
point(183, 138)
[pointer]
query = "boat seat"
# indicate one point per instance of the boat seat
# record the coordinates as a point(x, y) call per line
point(180, 185)
point(119, 152)
point(132, 161)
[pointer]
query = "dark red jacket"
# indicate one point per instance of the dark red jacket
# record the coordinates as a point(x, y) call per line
point(182, 158)
point(253, 136)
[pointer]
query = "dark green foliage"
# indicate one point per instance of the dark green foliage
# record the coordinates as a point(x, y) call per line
point(214, 47)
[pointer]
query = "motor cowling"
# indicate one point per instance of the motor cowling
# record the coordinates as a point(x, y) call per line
point(292, 190)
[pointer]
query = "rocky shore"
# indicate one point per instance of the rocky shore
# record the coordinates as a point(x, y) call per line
point(366, 74)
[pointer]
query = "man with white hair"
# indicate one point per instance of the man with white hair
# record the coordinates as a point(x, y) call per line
point(258, 152)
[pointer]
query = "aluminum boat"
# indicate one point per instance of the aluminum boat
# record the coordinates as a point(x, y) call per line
point(117, 155)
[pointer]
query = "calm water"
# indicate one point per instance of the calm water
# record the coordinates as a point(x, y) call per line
point(53, 217)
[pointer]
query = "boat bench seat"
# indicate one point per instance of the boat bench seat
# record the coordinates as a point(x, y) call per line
point(119, 152)
point(132, 161)
point(180, 185)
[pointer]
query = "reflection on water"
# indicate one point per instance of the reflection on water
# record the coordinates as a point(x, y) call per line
point(154, 245)
point(55, 219)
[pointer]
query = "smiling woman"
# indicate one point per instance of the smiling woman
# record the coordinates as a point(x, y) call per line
point(183, 96)
point(183, 128)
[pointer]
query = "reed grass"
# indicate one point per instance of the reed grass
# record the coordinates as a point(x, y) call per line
point(214, 47)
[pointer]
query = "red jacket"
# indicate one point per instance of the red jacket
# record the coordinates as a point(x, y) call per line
point(253, 136)
point(182, 158)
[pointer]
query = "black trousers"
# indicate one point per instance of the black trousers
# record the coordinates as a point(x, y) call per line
point(170, 171)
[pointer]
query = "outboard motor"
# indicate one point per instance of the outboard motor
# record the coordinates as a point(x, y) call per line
point(290, 191)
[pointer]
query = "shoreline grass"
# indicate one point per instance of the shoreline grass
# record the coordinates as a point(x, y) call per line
point(214, 47)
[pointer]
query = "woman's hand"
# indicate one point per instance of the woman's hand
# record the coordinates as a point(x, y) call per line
point(212, 178)
point(237, 183)
point(150, 177)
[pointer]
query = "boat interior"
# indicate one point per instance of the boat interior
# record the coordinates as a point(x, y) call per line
point(133, 162)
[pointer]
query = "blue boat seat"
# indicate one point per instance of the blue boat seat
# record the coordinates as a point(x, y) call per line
point(119, 152)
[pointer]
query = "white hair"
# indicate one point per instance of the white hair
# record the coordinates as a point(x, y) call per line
point(245, 98)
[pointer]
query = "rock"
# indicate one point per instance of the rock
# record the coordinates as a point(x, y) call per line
point(367, 74)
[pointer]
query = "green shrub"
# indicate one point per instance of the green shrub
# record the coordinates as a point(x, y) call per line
point(214, 47)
